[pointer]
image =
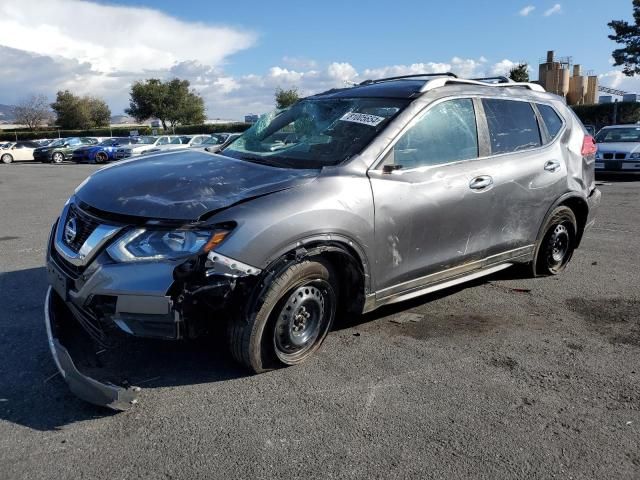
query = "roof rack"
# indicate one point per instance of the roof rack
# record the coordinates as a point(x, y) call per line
point(408, 77)
point(496, 79)
point(441, 82)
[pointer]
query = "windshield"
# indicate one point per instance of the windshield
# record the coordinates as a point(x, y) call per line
point(627, 134)
point(143, 140)
point(57, 143)
point(315, 132)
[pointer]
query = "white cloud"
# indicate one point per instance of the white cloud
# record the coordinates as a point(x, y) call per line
point(526, 10)
point(618, 80)
point(557, 8)
point(503, 67)
point(114, 38)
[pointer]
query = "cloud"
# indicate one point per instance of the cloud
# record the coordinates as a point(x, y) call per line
point(526, 10)
point(114, 38)
point(556, 9)
point(503, 67)
point(618, 80)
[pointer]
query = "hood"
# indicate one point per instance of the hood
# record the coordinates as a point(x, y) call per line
point(621, 147)
point(183, 185)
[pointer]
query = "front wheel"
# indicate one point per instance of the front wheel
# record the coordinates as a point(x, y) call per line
point(6, 158)
point(558, 243)
point(57, 157)
point(289, 322)
point(101, 157)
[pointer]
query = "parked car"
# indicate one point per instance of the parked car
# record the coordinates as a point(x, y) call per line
point(618, 149)
point(142, 145)
point(219, 141)
point(61, 149)
point(106, 150)
point(17, 151)
point(195, 140)
point(157, 144)
point(392, 189)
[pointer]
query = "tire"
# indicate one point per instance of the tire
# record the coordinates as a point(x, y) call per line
point(57, 157)
point(556, 247)
point(6, 158)
point(290, 319)
point(101, 157)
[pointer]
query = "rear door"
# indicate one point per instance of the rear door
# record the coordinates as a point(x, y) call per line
point(528, 170)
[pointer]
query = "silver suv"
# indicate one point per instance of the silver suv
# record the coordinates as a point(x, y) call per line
point(349, 200)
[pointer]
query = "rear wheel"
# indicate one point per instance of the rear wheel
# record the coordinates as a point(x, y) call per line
point(558, 243)
point(101, 157)
point(289, 322)
point(6, 158)
point(57, 157)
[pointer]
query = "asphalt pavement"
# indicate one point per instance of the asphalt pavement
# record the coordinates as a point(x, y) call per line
point(508, 377)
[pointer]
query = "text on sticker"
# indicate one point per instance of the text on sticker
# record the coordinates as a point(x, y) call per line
point(371, 120)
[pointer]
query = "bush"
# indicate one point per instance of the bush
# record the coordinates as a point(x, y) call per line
point(601, 115)
point(9, 135)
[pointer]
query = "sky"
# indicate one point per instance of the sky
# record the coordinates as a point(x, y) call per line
point(235, 54)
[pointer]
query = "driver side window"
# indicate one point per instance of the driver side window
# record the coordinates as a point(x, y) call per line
point(445, 133)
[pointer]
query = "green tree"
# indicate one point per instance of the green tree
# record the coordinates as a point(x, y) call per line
point(519, 73)
point(32, 111)
point(286, 98)
point(627, 34)
point(170, 101)
point(74, 112)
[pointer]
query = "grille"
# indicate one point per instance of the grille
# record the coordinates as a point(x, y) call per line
point(621, 156)
point(607, 156)
point(85, 225)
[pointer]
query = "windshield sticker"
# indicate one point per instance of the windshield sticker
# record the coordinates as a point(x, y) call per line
point(363, 118)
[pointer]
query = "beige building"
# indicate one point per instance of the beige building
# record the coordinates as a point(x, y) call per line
point(555, 76)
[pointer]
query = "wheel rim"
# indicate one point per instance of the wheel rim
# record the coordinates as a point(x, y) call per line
point(6, 158)
point(303, 319)
point(558, 246)
point(100, 157)
point(57, 157)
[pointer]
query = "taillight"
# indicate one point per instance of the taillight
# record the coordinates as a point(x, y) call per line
point(589, 146)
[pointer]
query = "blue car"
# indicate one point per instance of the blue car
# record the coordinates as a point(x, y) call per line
point(104, 151)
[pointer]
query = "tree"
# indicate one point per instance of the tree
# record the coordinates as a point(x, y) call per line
point(286, 98)
point(32, 111)
point(74, 112)
point(170, 101)
point(519, 73)
point(628, 35)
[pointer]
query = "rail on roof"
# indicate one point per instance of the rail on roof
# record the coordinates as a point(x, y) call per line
point(437, 80)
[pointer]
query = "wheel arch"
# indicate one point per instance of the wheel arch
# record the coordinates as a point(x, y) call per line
point(578, 204)
point(345, 256)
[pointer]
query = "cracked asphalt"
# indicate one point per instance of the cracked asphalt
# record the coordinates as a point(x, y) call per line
point(507, 377)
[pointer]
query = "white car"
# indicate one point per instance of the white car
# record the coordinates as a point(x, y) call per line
point(155, 144)
point(17, 151)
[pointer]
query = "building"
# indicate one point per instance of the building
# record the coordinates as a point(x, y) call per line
point(556, 76)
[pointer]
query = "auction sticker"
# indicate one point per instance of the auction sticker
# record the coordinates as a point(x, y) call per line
point(363, 118)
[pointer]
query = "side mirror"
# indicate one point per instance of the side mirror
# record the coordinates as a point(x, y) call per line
point(390, 168)
point(65, 145)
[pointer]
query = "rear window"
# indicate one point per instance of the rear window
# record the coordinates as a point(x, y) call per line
point(551, 119)
point(512, 125)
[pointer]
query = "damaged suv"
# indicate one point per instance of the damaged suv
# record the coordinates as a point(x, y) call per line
point(348, 200)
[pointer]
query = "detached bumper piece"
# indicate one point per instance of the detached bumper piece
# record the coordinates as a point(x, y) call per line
point(60, 329)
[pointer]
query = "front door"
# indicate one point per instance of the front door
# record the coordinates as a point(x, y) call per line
point(434, 203)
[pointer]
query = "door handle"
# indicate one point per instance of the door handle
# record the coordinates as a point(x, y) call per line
point(552, 166)
point(481, 183)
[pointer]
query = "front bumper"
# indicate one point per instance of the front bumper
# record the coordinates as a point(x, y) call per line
point(86, 388)
point(622, 166)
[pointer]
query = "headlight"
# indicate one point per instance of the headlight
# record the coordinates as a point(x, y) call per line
point(635, 155)
point(598, 156)
point(141, 244)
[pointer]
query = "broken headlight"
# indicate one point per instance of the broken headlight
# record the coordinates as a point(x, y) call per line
point(142, 244)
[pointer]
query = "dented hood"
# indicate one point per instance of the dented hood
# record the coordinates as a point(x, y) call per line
point(183, 185)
